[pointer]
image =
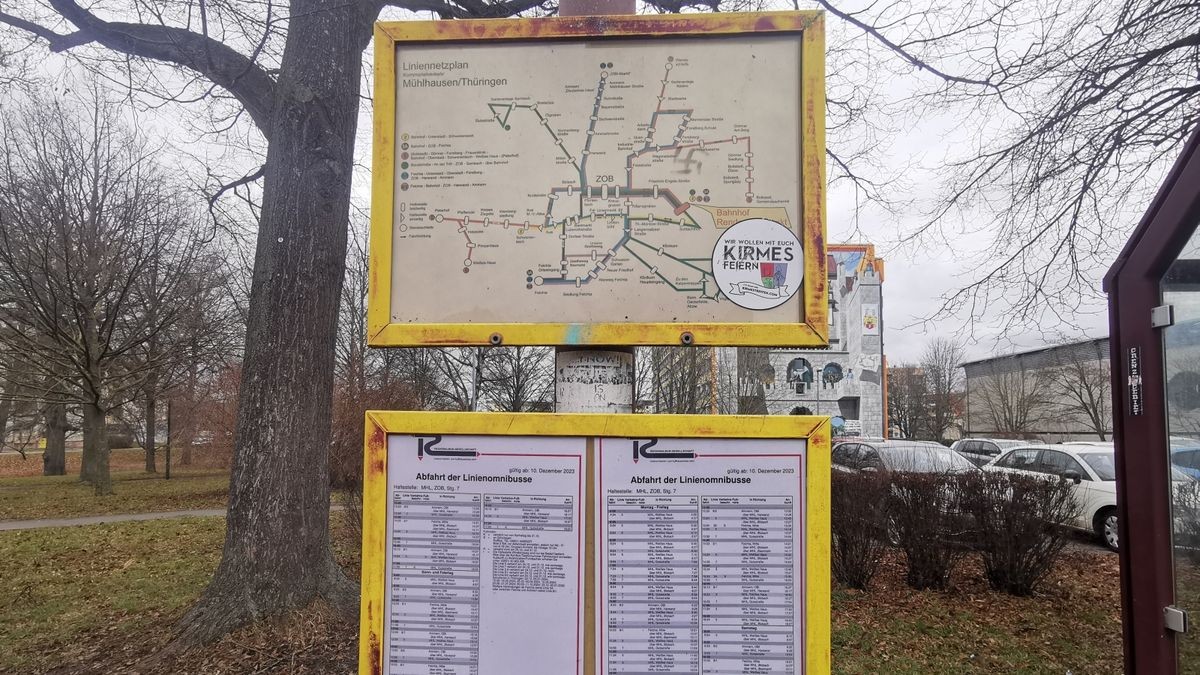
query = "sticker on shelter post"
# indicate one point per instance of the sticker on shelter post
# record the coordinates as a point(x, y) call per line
point(758, 263)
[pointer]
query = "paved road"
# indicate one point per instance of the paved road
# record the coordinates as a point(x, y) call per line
point(9, 525)
point(1078, 540)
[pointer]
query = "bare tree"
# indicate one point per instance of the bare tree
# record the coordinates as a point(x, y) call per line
point(1015, 401)
point(909, 401)
point(208, 337)
point(1082, 380)
point(24, 411)
point(418, 369)
point(678, 380)
point(351, 356)
point(461, 376)
point(520, 379)
point(754, 372)
point(8, 392)
point(1090, 109)
point(941, 366)
point(85, 216)
point(296, 74)
point(200, 331)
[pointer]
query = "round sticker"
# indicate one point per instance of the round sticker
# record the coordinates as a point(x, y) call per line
point(758, 263)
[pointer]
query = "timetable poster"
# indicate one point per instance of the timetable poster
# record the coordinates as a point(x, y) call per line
point(485, 555)
point(701, 556)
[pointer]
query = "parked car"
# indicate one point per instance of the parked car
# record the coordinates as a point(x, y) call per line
point(1091, 469)
point(983, 450)
point(906, 456)
point(1185, 456)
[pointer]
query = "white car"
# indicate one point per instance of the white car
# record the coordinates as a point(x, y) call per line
point(983, 450)
point(1090, 468)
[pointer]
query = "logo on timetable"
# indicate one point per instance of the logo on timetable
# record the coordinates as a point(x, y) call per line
point(425, 447)
point(641, 450)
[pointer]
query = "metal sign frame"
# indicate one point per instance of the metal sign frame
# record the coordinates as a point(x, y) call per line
point(811, 326)
point(817, 541)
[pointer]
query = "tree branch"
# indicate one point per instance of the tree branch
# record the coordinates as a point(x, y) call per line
point(233, 71)
point(900, 51)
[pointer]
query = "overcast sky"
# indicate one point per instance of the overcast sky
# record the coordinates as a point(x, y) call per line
point(919, 274)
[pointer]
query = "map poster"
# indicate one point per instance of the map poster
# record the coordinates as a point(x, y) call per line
point(582, 182)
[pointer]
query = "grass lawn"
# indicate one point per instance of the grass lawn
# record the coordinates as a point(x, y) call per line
point(13, 465)
point(101, 598)
point(26, 494)
point(1072, 624)
point(66, 591)
point(134, 492)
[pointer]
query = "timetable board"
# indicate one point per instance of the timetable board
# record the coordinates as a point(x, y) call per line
point(701, 556)
point(496, 543)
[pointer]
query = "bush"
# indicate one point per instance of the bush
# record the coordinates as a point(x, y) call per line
point(858, 522)
point(927, 525)
point(346, 438)
point(1186, 510)
point(121, 439)
point(1019, 524)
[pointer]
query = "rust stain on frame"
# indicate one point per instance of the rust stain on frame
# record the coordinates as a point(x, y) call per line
point(602, 26)
point(374, 552)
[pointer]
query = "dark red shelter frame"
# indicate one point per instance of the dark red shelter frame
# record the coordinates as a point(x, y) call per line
point(1143, 490)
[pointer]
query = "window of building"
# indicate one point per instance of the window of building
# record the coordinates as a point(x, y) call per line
point(831, 374)
point(800, 374)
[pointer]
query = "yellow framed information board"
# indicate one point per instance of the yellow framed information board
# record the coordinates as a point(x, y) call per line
point(627, 180)
point(581, 544)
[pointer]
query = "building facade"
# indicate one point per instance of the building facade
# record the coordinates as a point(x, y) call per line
point(1053, 394)
point(846, 381)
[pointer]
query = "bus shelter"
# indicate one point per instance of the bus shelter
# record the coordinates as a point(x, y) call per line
point(1154, 315)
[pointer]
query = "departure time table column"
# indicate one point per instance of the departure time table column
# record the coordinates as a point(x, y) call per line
point(652, 613)
point(528, 512)
point(434, 616)
point(749, 586)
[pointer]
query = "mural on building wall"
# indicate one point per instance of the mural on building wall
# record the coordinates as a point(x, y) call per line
point(870, 319)
point(831, 374)
point(845, 380)
point(869, 366)
point(800, 374)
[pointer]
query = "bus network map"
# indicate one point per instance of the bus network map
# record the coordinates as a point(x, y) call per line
point(582, 180)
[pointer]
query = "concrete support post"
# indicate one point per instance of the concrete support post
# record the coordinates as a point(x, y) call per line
point(594, 380)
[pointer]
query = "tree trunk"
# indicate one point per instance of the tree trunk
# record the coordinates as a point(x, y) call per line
point(6, 398)
point(151, 423)
point(184, 443)
point(277, 553)
point(183, 418)
point(183, 430)
point(5, 408)
point(95, 449)
point(54, 459)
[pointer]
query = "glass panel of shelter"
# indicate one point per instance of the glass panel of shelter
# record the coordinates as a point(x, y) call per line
point(1180, 288)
